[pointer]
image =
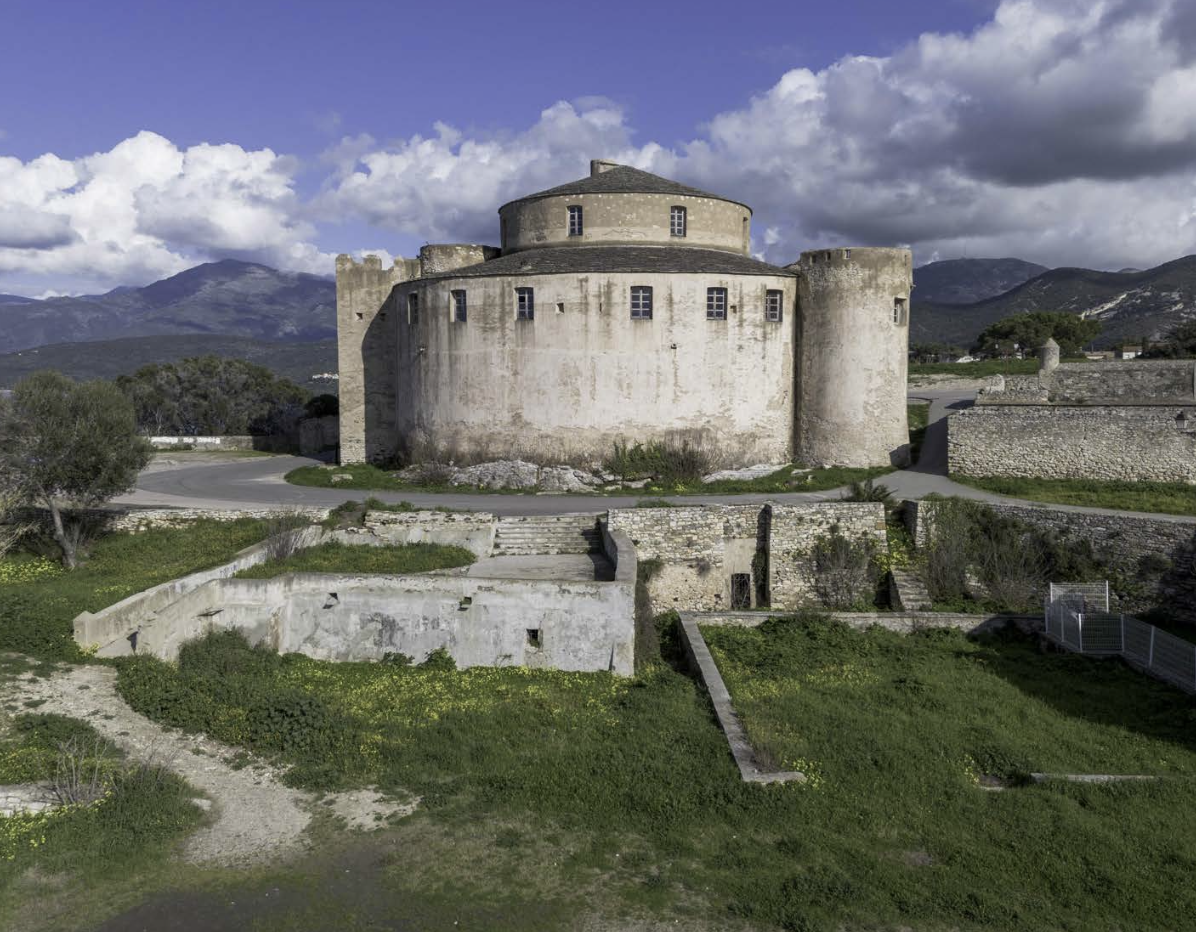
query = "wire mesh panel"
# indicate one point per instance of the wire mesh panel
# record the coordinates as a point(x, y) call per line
point(1138, 635)
point(1090, 596)
point(1101, 633)
point(1174, 660)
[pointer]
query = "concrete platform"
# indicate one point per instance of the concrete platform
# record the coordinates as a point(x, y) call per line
point(569, 567)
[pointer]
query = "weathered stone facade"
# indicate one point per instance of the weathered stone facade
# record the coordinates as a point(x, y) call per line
point(604, 319)
point(1154, 559)
point(701, 549)
point(1106, 420)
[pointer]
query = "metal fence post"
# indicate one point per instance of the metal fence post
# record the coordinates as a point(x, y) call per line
point(1121, 649)
point(1150, 660)
point(1080, 630)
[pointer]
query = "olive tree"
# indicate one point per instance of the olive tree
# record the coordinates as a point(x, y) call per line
point(67, 443)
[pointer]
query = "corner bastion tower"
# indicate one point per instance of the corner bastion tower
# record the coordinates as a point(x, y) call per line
point(624, 307)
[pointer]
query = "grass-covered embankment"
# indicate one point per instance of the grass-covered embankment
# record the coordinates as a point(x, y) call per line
point(335, 557)
point(39, 599)
point(621, 793)
point(1175, 498)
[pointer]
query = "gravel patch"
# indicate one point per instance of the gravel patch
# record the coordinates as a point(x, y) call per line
point(253, 816)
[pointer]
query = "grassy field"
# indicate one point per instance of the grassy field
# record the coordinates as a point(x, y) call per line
point(894, 732)
point(371, 478)
point(546, 793)
point(39, 599)
point(982, 368)
point(335, 557)
point(1174, 498)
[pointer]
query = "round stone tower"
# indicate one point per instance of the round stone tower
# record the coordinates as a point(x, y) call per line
point(853, 356)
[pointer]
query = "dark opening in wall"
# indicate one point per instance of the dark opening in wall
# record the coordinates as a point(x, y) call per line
point(533, 638)
point(741, 590)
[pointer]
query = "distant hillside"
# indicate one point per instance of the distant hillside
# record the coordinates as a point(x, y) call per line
point(106, 359)
point(1130, 305)
point(227, 298)
point(965, 281)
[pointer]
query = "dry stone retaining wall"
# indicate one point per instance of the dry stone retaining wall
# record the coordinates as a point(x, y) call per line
point(1063, 442)
point(1153, 558)
point(27, 798)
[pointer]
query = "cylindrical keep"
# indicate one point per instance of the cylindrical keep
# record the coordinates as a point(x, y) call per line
point(853, 345)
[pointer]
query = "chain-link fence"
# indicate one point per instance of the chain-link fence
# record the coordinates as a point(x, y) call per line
point(1078, 618)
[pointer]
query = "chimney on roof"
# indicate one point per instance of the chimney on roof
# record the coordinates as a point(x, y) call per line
point(598, 166)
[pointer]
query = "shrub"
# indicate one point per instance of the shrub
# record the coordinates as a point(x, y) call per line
point(869, 491)
point(845, 571)
point(285, 532)
point(663, 462)
point(292, 722)
point(439, 659)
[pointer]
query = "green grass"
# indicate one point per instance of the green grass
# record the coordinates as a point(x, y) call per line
point(1174, 498)
point(371, 478)
point(557, 791)
point(131, 829)
point(39, 600)
point(982, 368)
point(335, 557)
point(893, 731)
point(918, 415)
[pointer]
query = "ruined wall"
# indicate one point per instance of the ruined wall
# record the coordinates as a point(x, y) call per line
point(473, 530)
point(700, 547)
point(1146, 381)
point(625, 219)
point(1073, 442)
point(795, 531)
point(583, 374)
point(365, 331)
point(853, 357)
point(1153, 558)
point(438, 258)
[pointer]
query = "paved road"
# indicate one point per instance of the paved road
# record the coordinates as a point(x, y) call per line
point(246, 483)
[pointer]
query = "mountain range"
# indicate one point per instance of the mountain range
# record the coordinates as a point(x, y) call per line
point(227, 298)
point(287, 320)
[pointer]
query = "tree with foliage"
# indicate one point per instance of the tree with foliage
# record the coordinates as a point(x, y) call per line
point(69, 443)
point(933, 352)
point(1180, 343)
point(1030, 331)
point(212, 395)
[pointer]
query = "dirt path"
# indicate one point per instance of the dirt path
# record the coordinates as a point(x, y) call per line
point(254, 816)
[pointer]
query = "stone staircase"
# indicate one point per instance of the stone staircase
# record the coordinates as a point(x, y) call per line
point(907, 592)
point(547, 534)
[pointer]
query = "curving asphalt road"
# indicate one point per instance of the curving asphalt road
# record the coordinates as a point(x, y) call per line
point(251, 482)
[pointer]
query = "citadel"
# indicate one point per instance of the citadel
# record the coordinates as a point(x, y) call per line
point(622, 308)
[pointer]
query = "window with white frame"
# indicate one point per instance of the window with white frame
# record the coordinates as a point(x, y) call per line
point(413, 308)
point(899, 317)
point(676, 221)
point(525, 303)
point(716, 303)
point(459, 307)
point(772, 306)
point(575, 222)
point(641, 302)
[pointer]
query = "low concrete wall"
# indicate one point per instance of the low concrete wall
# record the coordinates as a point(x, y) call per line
point(951, 383)
point(481, 622)
point(113, 624)
point(900, 622)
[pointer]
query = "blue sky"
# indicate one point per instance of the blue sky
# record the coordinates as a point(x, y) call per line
point(150, 136)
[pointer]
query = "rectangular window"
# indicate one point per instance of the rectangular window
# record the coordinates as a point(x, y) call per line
point(413, 308)
point(899, 311)
point(459, 308)
point(716, 303)
point(641, 302)
point(525, 303)
point(575, 227)
point(677, 221)
point(772, 306)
